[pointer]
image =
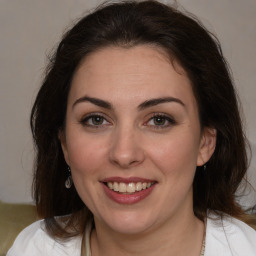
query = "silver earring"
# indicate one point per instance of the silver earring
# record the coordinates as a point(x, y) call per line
point(204, 167)
point(69, 181)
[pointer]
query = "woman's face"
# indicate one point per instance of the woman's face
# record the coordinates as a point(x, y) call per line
point(133, 138)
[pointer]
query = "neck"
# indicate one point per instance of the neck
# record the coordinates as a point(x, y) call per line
point(181, 235)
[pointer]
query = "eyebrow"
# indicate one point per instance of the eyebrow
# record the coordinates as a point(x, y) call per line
point(143, 105)
point(95, 101)
point(157, 101)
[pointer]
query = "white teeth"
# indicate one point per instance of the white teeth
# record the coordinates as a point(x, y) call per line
point(130, 187)
point(122, 187)
point(110, 185)
point(115, 186)
point(138, 186)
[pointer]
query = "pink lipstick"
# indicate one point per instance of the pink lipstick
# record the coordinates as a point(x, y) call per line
point(128, 190)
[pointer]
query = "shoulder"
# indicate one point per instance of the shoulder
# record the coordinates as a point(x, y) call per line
point(229, 236)
point(34, 240)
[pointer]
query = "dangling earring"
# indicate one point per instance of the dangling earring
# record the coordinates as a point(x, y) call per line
point(204, 167)
point(69, 181)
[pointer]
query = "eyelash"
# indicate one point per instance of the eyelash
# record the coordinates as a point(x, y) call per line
point(170, 121)
point(87, 118)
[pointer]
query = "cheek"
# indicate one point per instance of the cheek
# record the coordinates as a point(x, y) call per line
point(87, 160)
point(86, 154)
point(176, 155)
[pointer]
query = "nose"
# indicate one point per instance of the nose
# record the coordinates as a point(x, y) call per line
point(126, 149)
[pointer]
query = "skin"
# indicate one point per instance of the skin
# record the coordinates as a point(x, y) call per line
point(129, 142)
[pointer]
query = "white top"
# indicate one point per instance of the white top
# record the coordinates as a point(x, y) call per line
point(226, 237)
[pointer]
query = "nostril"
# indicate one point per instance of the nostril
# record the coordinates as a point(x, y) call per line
point(125, 150)
point(127, 159)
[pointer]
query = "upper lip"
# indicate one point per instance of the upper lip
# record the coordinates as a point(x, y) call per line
point(126, 180)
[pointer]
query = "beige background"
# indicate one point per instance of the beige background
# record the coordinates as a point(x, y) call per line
point(30, 29)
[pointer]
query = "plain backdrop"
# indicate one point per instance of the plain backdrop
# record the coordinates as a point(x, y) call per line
point(31, 28)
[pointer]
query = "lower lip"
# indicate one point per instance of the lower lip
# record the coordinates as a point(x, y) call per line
point(128, 198)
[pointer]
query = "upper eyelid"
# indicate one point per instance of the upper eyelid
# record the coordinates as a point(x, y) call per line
point(170, 119)
point(151, 115)
point(155, 114)
point(90, 115)
point(94, 114)
point(148, 118)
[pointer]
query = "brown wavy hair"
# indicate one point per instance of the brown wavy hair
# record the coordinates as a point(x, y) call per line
point(185, 39)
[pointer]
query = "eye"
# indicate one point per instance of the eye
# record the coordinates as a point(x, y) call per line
point(160, 121)
point(94, 120)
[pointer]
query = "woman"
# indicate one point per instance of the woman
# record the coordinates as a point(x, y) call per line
point(140, 147)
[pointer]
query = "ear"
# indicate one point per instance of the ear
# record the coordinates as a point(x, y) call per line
point(207, 145)
point(63, 143)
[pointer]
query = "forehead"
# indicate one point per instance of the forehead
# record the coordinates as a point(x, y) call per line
point(137, 73)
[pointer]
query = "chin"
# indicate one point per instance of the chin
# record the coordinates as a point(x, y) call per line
point(129, 222)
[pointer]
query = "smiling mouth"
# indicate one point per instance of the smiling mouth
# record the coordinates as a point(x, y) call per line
point(128, 188)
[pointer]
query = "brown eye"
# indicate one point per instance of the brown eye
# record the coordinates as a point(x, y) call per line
point(159, 120)
point(94, 121)
point(97, 120)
